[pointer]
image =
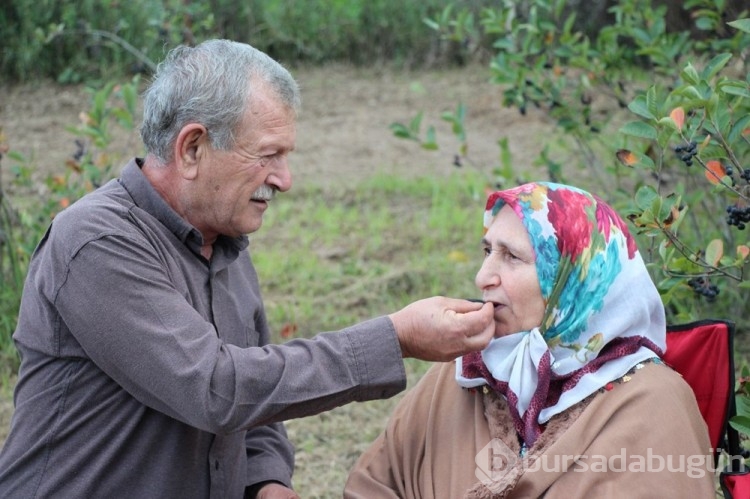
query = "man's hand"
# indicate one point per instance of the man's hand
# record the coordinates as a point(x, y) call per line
point(441, 329)
point(276, 491)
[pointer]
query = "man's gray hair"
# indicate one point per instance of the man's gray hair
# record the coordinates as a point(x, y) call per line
point(210, 84)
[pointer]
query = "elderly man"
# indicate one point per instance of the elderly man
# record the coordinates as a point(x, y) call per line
point(146, 369)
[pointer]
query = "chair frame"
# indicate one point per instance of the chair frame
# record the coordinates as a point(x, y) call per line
point(729, 442)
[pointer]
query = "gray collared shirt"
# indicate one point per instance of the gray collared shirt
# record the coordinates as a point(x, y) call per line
point(146, 369)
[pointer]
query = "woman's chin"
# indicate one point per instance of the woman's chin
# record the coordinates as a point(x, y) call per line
point(500, 332)
point(503, 330)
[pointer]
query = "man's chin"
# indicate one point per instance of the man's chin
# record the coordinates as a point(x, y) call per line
point(253, 228)
point(247, 227)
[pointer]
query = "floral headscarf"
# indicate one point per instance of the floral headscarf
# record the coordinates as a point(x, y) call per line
point(603, 313)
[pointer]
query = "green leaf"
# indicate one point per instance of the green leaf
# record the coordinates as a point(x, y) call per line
point(741, 424)
point(415, 123)
point(741, 90)
point(690, 75)
point(123, 117)
point(639, 129)
point(130, 97)
point(17, 156)
point(461, 111)
point(715, 65)
point(669, 202)
point(651, 101)
point(736, 132)
point(645, 197)
point(644, 161)
point(430, 142)
point(696, 99)
point(401, 131)
point(639, 107)
point(743, 404)
point(741, 24)
point(431, 24)
point(704, 24)
point(506, 159)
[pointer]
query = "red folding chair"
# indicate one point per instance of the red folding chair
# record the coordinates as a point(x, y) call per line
point(703, 353)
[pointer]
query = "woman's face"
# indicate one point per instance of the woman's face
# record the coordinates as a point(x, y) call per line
point(508, 275)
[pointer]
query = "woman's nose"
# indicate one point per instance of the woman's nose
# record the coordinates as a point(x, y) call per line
point(487, 276)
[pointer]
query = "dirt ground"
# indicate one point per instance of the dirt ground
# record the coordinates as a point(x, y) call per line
point(343, 133)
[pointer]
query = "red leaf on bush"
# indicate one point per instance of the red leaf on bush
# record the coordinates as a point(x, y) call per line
point(626, 157)
point(678, 116)
point(715, 171)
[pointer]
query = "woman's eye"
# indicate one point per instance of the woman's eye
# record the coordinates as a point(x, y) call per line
point(486, 251)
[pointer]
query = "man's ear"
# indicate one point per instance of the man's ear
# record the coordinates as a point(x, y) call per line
point(190, 149)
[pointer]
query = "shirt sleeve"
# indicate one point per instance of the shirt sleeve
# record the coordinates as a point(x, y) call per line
point(270, 455)
point(123, 309)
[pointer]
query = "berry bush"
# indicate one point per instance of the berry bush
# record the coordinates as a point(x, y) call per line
point(656, 119)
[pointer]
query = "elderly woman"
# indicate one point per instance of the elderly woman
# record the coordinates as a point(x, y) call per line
point(570, 399)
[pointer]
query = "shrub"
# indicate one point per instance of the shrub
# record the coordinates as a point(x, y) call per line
point(84, 40)
point(541, 60)
point(23, 222)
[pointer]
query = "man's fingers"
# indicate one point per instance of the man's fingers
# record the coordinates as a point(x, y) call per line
point(479, 336)
point(463, 306)
point(480, 319)
point(441, 329)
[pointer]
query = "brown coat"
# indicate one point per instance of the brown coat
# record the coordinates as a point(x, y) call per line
point(429, 446)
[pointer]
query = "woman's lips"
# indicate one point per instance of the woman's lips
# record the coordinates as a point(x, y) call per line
point(499, 307)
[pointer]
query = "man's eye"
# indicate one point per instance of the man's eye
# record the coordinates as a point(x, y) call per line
point(486, 251)
point(269, 159)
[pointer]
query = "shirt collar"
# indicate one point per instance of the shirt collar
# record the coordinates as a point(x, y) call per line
point(148, 199)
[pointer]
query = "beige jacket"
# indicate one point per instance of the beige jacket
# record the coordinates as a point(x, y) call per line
point(643, 438)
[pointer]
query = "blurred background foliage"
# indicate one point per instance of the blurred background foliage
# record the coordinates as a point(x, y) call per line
point(76, 40)
point(73, 41)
